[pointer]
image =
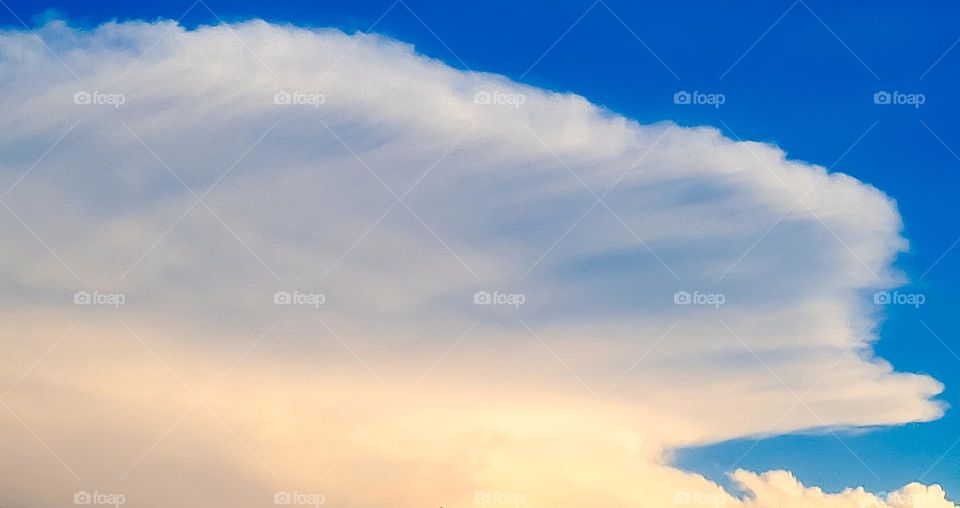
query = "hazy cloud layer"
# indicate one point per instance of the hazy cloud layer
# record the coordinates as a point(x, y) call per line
point(650, 286)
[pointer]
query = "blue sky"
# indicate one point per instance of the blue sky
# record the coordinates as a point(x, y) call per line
point(800, 75)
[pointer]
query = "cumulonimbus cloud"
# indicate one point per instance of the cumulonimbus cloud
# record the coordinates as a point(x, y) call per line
point(295, 260)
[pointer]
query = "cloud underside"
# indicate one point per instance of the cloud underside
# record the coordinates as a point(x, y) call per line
point(386, 187)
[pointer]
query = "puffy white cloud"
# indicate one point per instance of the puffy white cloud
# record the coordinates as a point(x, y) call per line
point(213, 168)
point(780, 488)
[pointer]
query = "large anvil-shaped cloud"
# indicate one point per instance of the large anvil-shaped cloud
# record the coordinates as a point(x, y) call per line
point(520, 289)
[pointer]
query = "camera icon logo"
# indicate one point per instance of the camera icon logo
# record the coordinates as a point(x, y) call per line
point(882, 97)
point(682, 498)
point(282, 298)
point(82, 97)
point(82, 497)
point(882, 298)
point(282, 497)
point(482, 298)
point(682, 97)
point(82, 298)
point(482, 498)
point(682, 298)
point(282, 98)
point(482, 97)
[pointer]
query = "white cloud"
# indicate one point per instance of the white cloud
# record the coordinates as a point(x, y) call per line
point(780, 488)
point(496, 197)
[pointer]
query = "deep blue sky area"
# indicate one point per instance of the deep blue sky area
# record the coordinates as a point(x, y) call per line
point(798, 74)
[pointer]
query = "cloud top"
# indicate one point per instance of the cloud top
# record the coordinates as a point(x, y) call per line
point(504, 288)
